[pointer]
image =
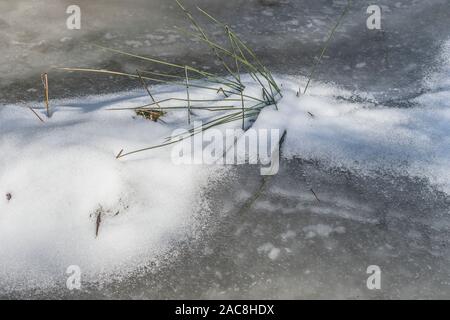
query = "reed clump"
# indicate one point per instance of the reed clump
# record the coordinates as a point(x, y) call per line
point(226, 88)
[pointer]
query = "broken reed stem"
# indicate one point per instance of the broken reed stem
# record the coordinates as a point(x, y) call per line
point(238, 71)
point(221, 90)
point(149, 106)
point(36, 114)
point(182, 107)
point(144, 84)
point(243, 111)
point(44, 78)
point(230, 39)
point(327, 42)
point(209, 76)
point(226, 92)
point(188, 98)
point(119, 154)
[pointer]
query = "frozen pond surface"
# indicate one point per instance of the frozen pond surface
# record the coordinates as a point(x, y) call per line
point(287, 244)
point(286, 34)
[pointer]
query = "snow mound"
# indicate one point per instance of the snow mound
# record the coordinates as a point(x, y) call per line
point(59, 175)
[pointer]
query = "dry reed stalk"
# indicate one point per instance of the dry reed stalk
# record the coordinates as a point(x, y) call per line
point(188, 97)
point(44, 78)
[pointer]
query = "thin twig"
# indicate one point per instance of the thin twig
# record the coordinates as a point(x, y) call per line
point(155, 79)
point(36, 114)
point(144, 84)
point(223, 91)
point(325, 47)
point(188, 98)
point(238, 71)
point(243, 111)
point(315, 195)
point(119, 154)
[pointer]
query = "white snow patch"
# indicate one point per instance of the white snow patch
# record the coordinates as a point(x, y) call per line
point(274, 253)
point(60, 173)
point(321, 230)
point(288, 235)
point(270, 250)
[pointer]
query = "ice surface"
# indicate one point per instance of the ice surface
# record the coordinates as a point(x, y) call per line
point(60, 173)
point(34, 39)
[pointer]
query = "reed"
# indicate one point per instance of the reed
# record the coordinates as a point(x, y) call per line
point(44, 78)
point(325, 47)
